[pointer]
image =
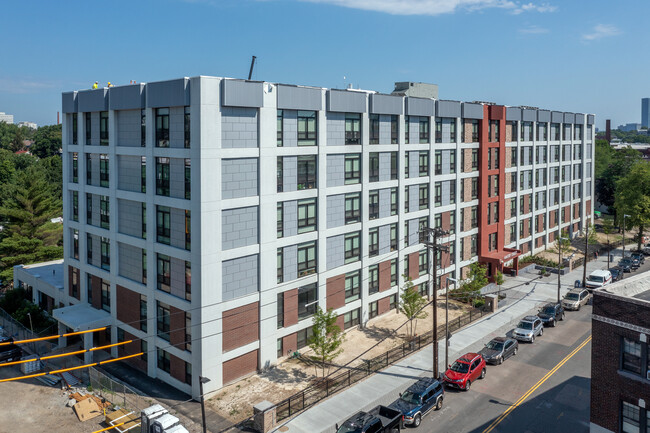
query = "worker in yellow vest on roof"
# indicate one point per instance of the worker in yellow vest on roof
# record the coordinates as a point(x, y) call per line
point(109, 84)
point(96, 85)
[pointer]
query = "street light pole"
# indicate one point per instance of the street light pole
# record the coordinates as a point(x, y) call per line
point(31, 328)
point(203, 380)
point(447, 320)
point(624, 216)
point(584, 269)
point(559, 264)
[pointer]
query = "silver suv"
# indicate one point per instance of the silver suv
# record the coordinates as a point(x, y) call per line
point(528, 328)
point(575, 299)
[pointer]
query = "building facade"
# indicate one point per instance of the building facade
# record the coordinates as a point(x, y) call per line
point(209, 217)
point(620, 357)
point(645, 112)
point(7, 118)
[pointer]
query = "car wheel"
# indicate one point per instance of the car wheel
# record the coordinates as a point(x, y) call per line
point(439, 403)
point(553, 323)
point(579, 306)
point(541, 332)
point(515, 352)
point(417, 420)
point(532, 339)
point(500, 361)
point(483, 373)
point(562, 316)
point(468, 384)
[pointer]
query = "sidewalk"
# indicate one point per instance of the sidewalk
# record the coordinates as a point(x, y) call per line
point(525, 294)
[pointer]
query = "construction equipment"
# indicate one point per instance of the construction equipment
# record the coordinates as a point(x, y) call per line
point(250, 73)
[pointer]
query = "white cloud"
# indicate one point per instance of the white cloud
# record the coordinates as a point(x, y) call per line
point(601, 31)
point(435, 7)
point(20, 86)
point(533, 30)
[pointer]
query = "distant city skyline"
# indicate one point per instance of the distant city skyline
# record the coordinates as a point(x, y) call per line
point(548, 54)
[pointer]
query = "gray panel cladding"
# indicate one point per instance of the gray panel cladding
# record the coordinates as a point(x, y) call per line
point(580, 118)
point(414, 197)
point(177, 277)
point(129, 128)
point(384, 128)
point(335, 251)
point(177, 127)
point(335, 170)
point(129, 217)
point(238, 177)
point(384, 203)
point(590, 119)
point(384, 166)
point(413, 235)
point(240, 93)
point(472, 111)
point(239, 277)
point(177, 177)
point(290, 262)
point(177, 227)
point(448, 109)
point(290, 218)
point(129, 261)
point(92, 100)
point(513, 113)
point(289, 173)
point(239, 227)
point(299, 98)
point(543, 116)
point(335, 211)
point(384, 239)
point(569, 118)
point(420, 106)
point(529, 115)
point(386, 104)
point(557, 117)
point(127, 97)
point(414, 163)
point(290, 128)
point(239, 128)
point(129, 173)
point(172, 93)
point(345, 101)
point(69, 102)
point(335, 129)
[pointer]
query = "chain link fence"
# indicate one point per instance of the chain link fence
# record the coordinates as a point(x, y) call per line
point(116, 392)
point(15, 329)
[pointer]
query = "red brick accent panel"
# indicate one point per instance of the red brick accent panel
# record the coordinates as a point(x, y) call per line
point(446, 220)
point(576, 210)
point(96, 284)
point(71, 272)
point(340, 321)
point(383, 305)
point(384, 275)
point(177, 368)
point(567, 214)
point(336, 292)
point(414, 265)
point(588, 206)
point(551, 219)
point(240, 326)
point(290, 307)
point(551, 236)
point(239, 367)
point(177, 327)
point(128, 306)
point(539, 241)
point(526, 208)
point(524, 248)
point(130, 349)
point(290, 343)
point(540, 223)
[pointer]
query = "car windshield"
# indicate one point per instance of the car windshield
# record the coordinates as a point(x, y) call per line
point(411, 398)
point(548, 310)
point(459, 367)
point(494, 345)
point(525, 325)
point(571, 296)
point(349, 428)
point(596, 278)
point(625, 261)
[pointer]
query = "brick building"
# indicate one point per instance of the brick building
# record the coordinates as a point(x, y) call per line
point(620, 357)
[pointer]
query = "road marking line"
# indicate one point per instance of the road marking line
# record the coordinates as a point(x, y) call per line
point(534, 387)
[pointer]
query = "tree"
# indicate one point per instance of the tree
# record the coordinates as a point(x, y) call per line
point(498, 280)
point(562, 247)
point(633, 198)
point(475, 281)
point(47, 141)
point(412, 304)
point(590, 238)
point(608, 228)
point(619, 164)
point(327, 337)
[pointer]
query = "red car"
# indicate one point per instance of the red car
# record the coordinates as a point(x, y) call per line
point(465, 370)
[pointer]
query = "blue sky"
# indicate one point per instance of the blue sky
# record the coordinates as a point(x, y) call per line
point(582, 56)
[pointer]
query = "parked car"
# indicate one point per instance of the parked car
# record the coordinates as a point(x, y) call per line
point(465, 370)
point(551, 313)
point(419, 399)
point(617, 273)
point(639, 256)
point(646, 250)
point(625, 264)
point(10, 352)
point(636, 263)
point(499, 349)
point(380, 419)
point(598, 278)
point(4, 337)
point(575, 299)
point(528, 328)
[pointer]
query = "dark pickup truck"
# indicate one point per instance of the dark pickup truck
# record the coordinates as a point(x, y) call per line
point(380, 419)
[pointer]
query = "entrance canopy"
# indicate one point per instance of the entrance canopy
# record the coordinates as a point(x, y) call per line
point(82, 317)
point(501, 257)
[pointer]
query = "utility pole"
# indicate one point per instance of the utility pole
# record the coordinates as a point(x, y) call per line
point(624, 216)
point(203, 380)
point(559, 262)
point(433, 248)
point(584, 269)
point(447, 319)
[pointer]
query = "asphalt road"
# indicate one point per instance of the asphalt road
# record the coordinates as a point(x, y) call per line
point(544, 388)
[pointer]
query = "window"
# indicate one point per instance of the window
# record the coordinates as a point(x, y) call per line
point(406, 131)
point(89, 288)
point(374, 128)
point(280, 265)
point(164, 360)
point(89, 248)
point(423, 265)
point(631, 418)
point(631, 359)
point(162, 176)
point(423, 226)
point(352, 128)
point(163, 224)
point(307, 128)
point(144, 221)
point(307, 300)
point(352, 208)
point(103, 170)
point(373, 205)
point(392, 302)
point(75, 205)
point(188, 366)
point(75, 128)
point(352, 286)
point(492, 241)
point(424, 163)
point(143, 174)
point(438, 130)
point(393, 237)
point(106, 296)
point(393, 272)
point(105, 249)
point(306, 215)
point(474, 244)
point(474, 188)
point(303, 337)
point(474, 159)
point(352, 249)
point(352, 169)
point(452, 222)
point(188, 281)
point(424, 197)
point(143, 128)
point(373, 279)
point(394, 129)
point(75, 244)
point(280, 220)
point(438, 194)
point(306, 258)
point(186, 127)
point(103, 128)
point(188, 179)
point(75, 167)
point(452, 161)
point(373, 168)
point(373, 242)
point(393, 201)
point(474, 217)
point(407, 194)
point(162, 320)
point(306, 172)
point(351, 318)
point(373, 309)
point(424, 129)
point(393, 165)
point(452, 130)
point(280, 128)
point(279, 175)
point(88, 127)
point(163, 278)
point(494, 131)
point(280, 310)
point(438, 162)
point(162, 127)
point(75, 282)
point(104, 212)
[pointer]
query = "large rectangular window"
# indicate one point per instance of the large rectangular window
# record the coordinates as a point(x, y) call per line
point(106, 296)
point(280, 128)
point(352, 286)
point(438, 130)
point(352, 169)
point(352, 128)
point(188, 179)
point(186, 127)
point(352, 208)
point(306, 259)
point(280, 310)
point(373, 167)
point(163, 360)
point(373, 242)
point(280, 220)
point(306, 215)
point(103, 128)
point(352, 247)
point(307, 172)
point(88, 127)
point(104, 212)
point(373, 205)
point(163, 224)
point(393, 237)
point(424, 197)
point(162, 320)
point(75, 128)
point(307, 128)
point(162, 127)
point(188, 281)
point(143, 127)
point(351, 318)
point(424, 129)
point(394, 129)
point(373, 279)
point(75, 205)
point(307, 300)
point(374, 128)
point(631, 356)
point(280, 266)
point(407, 120)
point(162, 176)
point(423, 262)
point(75, 167)
point(424, 163)
point(143, 313)
point(143, 174)
point(163, 273)
point(303, 336)
point(103, 170)
point(393, 201)
point(105, 249)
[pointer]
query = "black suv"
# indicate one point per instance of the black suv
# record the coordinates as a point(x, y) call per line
point(419, 399)
point(638, 256)
point(10, 352)
point(551, 314)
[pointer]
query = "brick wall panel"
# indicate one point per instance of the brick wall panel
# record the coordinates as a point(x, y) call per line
point(240, 326)
point(290, 343)
point(467, 218)
point(290, 307)
point(446, 221)
point(340, 321)
point(384, 275)
point(508, 179)
point(508, 206)
point(96, 284)
point(414, 265)
point(467, 135)
point(130, 349)
point(336, 292)
point(508, 153)
point(177, 327)
point(239, 367)
point(467, 167)
point(383, 305)
point(128, 306)
point(467, 189)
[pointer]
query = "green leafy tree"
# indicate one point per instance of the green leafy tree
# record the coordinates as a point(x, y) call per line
point(412, 304)
point(618, 165)
point(608, 229)
point(498, 280)
point(47, 141)
point(327, 337)
point(562, 246)
point(475, 281)
point(633, 198)
point(7, 167)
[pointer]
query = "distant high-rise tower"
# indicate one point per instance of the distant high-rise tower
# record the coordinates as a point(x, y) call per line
point(645, 112)
point(608, 130)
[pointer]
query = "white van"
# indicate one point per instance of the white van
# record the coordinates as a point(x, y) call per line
point(598, 279)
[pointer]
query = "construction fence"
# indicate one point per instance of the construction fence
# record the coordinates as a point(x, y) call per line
point(116, 392)
point(15, 329)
